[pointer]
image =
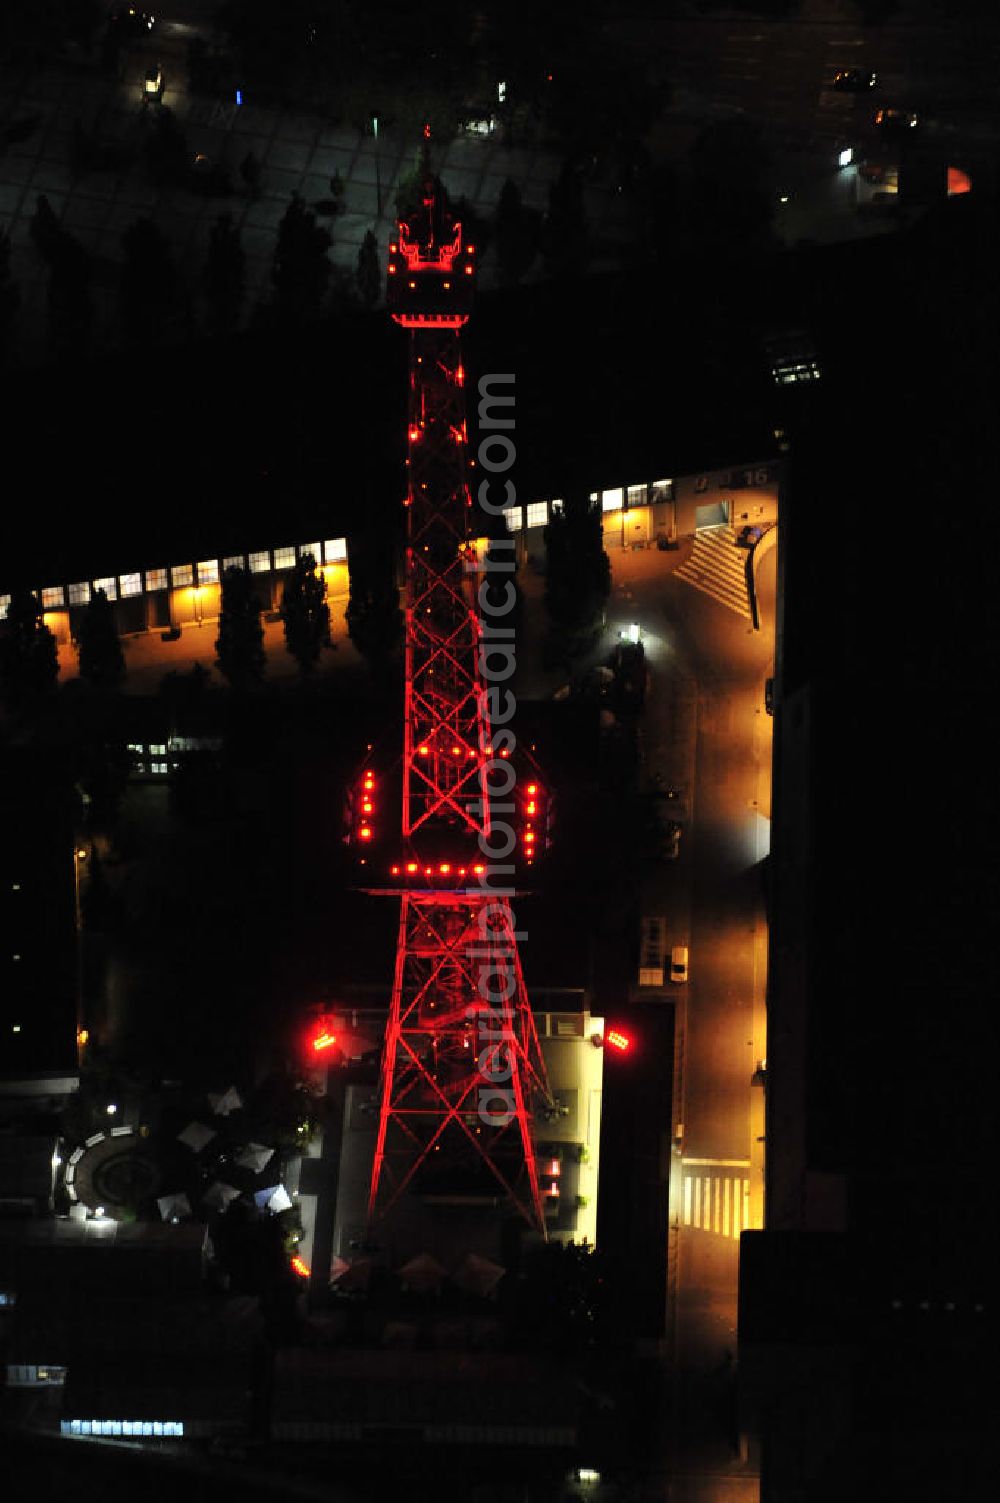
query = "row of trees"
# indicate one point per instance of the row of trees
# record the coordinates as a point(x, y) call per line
point(29, 662)
point(578, 582)
point(723, 196)
point(151, 297)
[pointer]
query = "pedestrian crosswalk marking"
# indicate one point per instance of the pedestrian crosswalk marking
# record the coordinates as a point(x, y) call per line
point(718, 1203)
point(717, 568)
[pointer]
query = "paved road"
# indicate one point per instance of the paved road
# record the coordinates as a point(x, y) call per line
point(705, 730)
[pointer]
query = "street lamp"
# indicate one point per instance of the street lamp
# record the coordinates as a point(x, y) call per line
point(378, 176)
point(152, 86)
point(79, 854)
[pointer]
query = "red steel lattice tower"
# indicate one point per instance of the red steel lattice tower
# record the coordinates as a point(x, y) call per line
point(462, 1070)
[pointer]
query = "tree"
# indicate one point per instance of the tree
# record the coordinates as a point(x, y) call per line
point(566, 235)
point(240, 643)
point(71, 305)
point(250, 172)
point(301, 269)
point(102, 772)
point(10, 296)
point(369, 274)
point(148, 281)
point(517, 233)
point(374, 619)
point(578, 572)
point(29, 659)
point(102, 662)
point(45, 229)
point(225, 271)
point(728, 196)
point(168, 155)
point(305, 613)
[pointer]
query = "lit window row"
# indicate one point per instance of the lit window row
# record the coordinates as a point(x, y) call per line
point(805, 370)
point(184, 576)
point(30, 1375)
point(619, 498)
point(121, 1427)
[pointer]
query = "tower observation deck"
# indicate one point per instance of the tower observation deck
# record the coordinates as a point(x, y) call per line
point(462, 1070)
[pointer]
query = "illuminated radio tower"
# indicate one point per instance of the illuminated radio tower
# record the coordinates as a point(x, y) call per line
point(462, 1069)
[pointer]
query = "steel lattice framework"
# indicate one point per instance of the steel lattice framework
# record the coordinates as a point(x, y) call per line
point(462, 1068)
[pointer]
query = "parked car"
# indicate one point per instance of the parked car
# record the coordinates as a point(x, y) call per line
point(894, 122)
point(673, 797)
point(132, 23)
point(854, 81)
point(152, 85)
point(628, 664)
point(671, 848)
point(679, 963)
point(209, 177)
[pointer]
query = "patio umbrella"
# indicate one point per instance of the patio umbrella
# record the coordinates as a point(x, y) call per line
point(423, 1274)
point(255, 1156)
point(196, 1136)
point(351, 1276)
point(173, 1206)
point(228, 1101)
point(219, 1196)
point(478, 1275)
point(274, 1198)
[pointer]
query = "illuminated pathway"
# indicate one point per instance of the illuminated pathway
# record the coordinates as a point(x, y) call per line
point(705, 731)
